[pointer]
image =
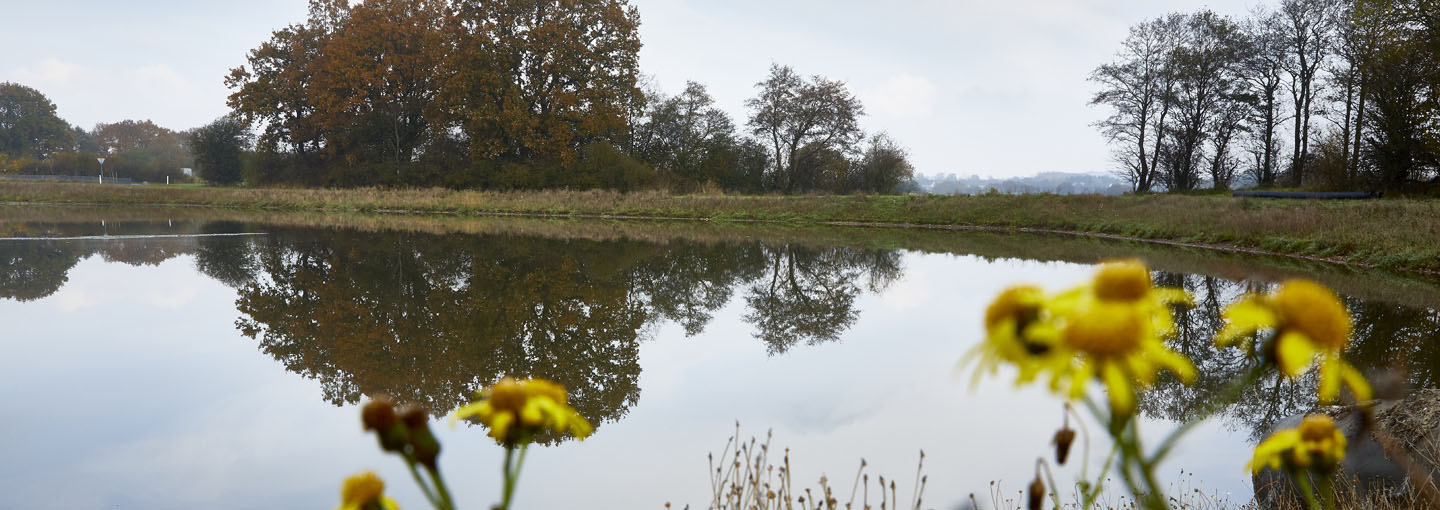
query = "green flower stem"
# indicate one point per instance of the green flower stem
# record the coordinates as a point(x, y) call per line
point(1049, 478)
point(1327, 491)
point(424, 487)
point(1230, 395)
point(512, 473)
point(441, 489)
point(1085, 436)
point(1127, 439)
point(509, 482)
point(1093, 491)
point(1117, 435)
point(1132, 452)
point(1302, 481)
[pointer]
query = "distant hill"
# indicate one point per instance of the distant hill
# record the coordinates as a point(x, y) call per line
point(1063, 183)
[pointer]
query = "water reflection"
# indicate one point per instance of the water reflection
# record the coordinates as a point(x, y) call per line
point(431, 317)
point(1386, 337)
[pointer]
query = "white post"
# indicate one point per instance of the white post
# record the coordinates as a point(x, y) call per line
point(102, 177)
point(167, 180)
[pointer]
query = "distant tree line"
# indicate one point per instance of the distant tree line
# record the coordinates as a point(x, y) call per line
point(34, 140)
point(506, 94)
point(1336, 94)
point(523, 94)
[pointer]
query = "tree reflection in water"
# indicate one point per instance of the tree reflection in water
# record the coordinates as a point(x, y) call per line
point(807, 295)
point(1386, 337)
point(430, 318)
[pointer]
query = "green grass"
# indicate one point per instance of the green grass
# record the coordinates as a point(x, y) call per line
point(1392, 233)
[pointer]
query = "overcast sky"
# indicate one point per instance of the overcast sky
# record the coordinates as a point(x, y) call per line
point(988, 87)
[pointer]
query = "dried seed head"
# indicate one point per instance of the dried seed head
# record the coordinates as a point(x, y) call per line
point(1063, 439)
point(1036, 498)
point(414, 417)
point(378, 414)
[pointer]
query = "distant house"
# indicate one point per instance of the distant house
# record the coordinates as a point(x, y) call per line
point(187, 171)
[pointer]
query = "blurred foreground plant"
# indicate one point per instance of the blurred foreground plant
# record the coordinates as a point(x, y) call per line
point(1112, 331)
point(515, 411)
point(365, 491)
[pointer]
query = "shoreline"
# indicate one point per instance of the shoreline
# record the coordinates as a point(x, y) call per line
point(1392, 234)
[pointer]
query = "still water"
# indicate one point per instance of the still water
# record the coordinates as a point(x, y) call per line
point(183, 359)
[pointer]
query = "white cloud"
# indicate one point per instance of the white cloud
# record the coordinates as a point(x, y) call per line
point(159, 78)
point(903, 96)
point(51, 71)
point(68, 301)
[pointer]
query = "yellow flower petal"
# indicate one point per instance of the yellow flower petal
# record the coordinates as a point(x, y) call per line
point(1356, 381)
point(1172, 296)
point(1329, 380)
point(500, 425)
point(467, 411)
point(1122, 280)
point(1269, 453)
point(1177, 364)
point(1293, 352)
point(1079, 377)
point(361, 489)
point(516, 410)
point(1315, 311)
point(1122, 393)
point(1243, 318)
point(1316, 444)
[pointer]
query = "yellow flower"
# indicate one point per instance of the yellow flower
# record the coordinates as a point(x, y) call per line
point(1019, 331)
point(1308, 320)
point(1122, 280)
point(1315, 445)
point(1117, 326)
point(365, 491)
point(517, 410)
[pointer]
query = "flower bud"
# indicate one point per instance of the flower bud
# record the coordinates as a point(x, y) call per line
point(1063, 439)
point(414, 417)
point(422, 443)
point(1036, 496)
point(378, 414)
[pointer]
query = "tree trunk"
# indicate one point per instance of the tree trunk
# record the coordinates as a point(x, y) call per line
point(1359, 126)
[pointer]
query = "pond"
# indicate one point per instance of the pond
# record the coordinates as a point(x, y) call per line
point(182, 358)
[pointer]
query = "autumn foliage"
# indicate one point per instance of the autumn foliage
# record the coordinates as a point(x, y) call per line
point(433, 92)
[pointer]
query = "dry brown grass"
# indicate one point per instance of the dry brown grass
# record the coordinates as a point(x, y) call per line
point(745, 477)
point(1371, 284)
point(1391, 233)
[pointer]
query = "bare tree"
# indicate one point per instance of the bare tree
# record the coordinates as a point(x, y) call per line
point(681, 132)
point(1308, 37)
point(800, 116)
point(1137, 86)
point(1266, 59)
point(1228, 121)
point(883, 168)
point(1206, 83)
point(1356, 29)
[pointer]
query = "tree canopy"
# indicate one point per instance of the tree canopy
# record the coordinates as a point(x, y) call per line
point(219, 149)
point(29, 126)
point(1200, 99)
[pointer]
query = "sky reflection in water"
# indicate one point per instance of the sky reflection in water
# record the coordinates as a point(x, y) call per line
point(134, 378)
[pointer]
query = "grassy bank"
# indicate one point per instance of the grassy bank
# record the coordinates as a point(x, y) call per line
point(1395, 234)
